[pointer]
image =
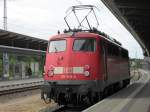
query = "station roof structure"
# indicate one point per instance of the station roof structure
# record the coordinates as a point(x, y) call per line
point(13, 39)
point(135, 16)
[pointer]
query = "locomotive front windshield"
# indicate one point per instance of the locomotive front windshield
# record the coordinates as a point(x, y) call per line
point(57, 46)
point(87, 45)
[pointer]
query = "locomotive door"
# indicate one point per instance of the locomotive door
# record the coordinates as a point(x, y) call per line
point(104, 59)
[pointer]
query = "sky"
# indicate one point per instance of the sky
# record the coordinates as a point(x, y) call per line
point(43, 18)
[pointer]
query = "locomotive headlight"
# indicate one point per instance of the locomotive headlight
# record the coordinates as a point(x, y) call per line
point(51, 71)
point(86, 73)
point(86, 70)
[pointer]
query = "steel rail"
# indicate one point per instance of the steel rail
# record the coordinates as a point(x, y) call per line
point(17, 90)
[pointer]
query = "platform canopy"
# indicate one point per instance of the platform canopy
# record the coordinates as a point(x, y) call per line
point(135, 16)
point(8, 38)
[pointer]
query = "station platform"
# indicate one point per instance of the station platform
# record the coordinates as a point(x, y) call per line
point(14, 84)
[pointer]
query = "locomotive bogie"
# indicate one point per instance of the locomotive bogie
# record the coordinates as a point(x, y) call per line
point(66, 91)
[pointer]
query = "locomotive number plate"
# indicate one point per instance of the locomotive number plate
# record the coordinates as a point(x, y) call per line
point(68, 70)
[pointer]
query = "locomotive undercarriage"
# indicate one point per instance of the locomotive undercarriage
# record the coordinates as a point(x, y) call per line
point(79, 92)
point(75, 92)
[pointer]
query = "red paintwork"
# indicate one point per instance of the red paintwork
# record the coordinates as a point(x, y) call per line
point(77, 59)
point(74, 59)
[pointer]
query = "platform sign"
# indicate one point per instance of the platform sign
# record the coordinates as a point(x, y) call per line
point(5, 65)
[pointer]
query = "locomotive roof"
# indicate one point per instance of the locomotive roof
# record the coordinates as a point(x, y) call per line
point(76, 34)
point(113, 42)
point(85, 35)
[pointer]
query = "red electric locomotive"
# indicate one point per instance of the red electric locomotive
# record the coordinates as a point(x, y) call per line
point(82, 66)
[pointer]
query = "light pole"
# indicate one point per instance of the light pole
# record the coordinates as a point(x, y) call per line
point(5, 15)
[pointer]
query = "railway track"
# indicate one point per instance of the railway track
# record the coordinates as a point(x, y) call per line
point(17, 90)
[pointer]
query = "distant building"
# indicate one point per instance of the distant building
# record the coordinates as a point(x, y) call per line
point(21, 56)
point(140, 63)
